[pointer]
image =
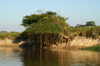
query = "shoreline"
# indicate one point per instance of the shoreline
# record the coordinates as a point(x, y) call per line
point(77, 42)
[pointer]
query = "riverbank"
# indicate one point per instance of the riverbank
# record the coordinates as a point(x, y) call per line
point(77, 42)
point(84, 42)
point(9, 43)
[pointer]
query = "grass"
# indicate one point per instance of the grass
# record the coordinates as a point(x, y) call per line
point(92, 48)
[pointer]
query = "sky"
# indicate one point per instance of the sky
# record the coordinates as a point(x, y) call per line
point(78, 11)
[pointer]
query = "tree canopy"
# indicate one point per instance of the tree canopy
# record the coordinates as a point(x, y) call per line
point(44, 27)
point(48, 22)
point(90, 23)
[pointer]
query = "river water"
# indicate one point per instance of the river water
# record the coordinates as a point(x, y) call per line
point(30, 57)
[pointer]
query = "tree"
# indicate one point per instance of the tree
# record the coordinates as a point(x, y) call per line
point(49, 16)
point(45, 26)
point(90, 24)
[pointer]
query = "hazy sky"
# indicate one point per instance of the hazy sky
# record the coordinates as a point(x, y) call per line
point(78, 11)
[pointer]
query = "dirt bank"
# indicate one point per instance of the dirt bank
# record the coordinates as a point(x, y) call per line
point(84, 42)
point(8, 43)
point(76, 43)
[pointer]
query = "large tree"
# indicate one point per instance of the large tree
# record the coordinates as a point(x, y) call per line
point(45, 25)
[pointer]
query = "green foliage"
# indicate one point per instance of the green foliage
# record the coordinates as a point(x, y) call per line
point(50, 24)
point(78, 26)
point(89, 32)
point(28, 20)
point(44, 23)
point(44, 28)
point(67, 25)
point(3, 32)
point(49, 16)
point(93, 48)
point(90, 23)
point(51, 13)
point(9, 35)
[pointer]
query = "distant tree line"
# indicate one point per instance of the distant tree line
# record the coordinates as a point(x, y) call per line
point(8, 32)
point(3, 32)
point(88, 24)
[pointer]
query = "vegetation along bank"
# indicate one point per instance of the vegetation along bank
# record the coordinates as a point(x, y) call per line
point(51, 30)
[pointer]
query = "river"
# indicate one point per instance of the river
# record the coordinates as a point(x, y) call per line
point(30, 57)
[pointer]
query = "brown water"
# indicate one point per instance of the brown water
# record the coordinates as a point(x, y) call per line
point(30, 57)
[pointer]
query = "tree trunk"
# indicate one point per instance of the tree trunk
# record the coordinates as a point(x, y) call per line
point(46, 40)
point(40, 40)
point(37, 43)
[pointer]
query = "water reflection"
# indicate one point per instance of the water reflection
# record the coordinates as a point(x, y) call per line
point(10, 57)
point(86, 58)
point(61, 58)
point(30, 57)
